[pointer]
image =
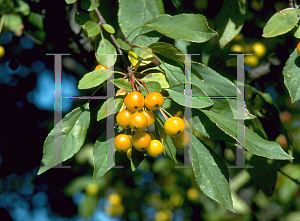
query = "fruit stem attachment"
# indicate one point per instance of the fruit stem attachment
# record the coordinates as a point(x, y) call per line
point(164, 115)
point(144, 85)
point(162, 109)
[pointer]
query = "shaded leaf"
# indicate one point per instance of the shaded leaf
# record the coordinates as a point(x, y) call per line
point(74, 127)
point(177, 94)
point(93, 79)
point(110, 106)
point(36, 19)
point(91, 29)
point(136, 158)
point(189, 27)
point(89, 5)
point(153, 86)
point(254, 143)
point(102, 166)
point(123, 45)
point(23, 7)
point(291, 75)
point(211, 173)
point(82, 17)
point(105, 48)
point(230, 20)
point(264, 174)
point(158, 77)
point(123, 84)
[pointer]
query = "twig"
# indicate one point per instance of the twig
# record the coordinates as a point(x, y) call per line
point(102, 21)
point(296, 181)
point(144, 85)
point(166, 112)
point(293, 4)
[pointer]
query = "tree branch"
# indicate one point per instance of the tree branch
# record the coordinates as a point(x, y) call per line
point(102, 21)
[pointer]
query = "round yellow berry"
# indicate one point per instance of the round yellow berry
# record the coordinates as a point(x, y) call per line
point(155, 148)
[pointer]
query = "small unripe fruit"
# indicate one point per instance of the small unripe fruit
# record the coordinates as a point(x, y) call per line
point(2, 51)
point(155, 148)
point(259, 49)
point(174, 126)
point(251, 60)
point(114, 198)
point(237, 48)
point(141, 141)
point(92, 189)
point(134, 101)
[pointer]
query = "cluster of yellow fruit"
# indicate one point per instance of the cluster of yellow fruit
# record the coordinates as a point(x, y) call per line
point(138, 120)
point(258, 49)
point(115, 206)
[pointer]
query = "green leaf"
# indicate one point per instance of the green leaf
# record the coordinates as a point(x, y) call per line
point(6, 7)
point(203, 125)
point(158, 77)
point(91, 29)
point(100, 154)
point(281, 22)
point(123, 45)
point(123, 84)
point(13, 22)
point(105, 48)
point(23, 7)
point(211, 77)
point(291, 75)
point(230, 20)
point(74, 127)
point(211, 173)
point(174, 73)
point(264, 174)
point(254, 143)
point(136, 158)
point(153, 86)
point(133, 14)
point(89, 5)
point(87, 207)
point(82, 17)
point(189, 27)
point(110, 29)
point(297, 33)
point(143, 40)
point(160, 6)
point(113, 106)
point(168, 51)
point(70, 1)
point(93, 79)
point(182, 45)
point(177, 94)
point(36, 19)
